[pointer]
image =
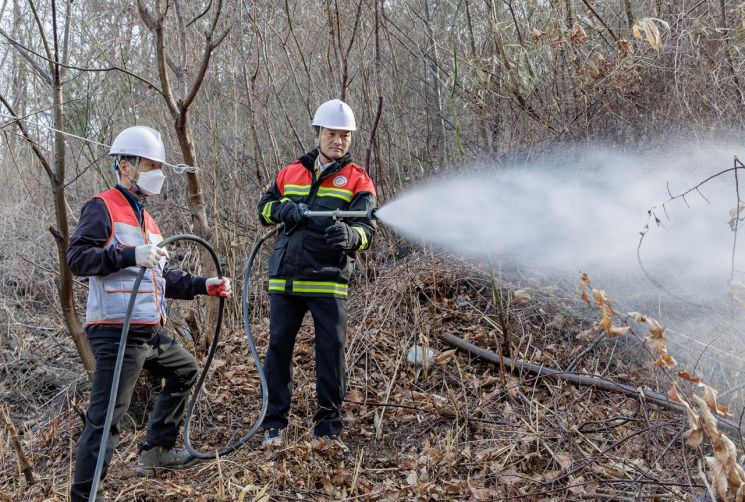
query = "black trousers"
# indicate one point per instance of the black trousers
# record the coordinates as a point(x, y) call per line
point(162, 356)
point(330, 321)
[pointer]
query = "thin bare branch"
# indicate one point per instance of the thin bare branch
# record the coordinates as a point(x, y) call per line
point(43, 36)
point(48, 78)
point(35, 147)
point(200, 15)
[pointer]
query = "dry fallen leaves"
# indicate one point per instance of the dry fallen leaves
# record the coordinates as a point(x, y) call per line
point(445, 357)
point(624, 47)
point(521, 296)
point(728, 477)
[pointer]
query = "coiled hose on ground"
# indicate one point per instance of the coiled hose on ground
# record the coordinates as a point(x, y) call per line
point(210, 355)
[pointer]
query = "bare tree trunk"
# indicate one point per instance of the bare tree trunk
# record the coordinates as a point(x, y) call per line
point(193, 186)
point(338, 39)
point(379, 90)
point(62, 233)
point(62, 238)
point(569, 13)
point(432, 65)
point(483, 122)
point(262, 173)
point(179, 106)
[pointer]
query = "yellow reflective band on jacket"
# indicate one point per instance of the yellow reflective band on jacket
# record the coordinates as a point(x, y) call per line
point(339, 193)
point(296, 189)
point(329, 288)
point(277, 285)
point(266, 213)
point(363, 238)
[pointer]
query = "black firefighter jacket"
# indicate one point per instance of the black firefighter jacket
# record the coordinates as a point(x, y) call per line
point(302, 262)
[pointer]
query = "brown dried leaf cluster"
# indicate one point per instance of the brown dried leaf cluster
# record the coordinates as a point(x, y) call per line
point(646, 29)
point(609, 72)
point(606, 311)
point(655, 340)
point(726, 474)
point(577, 34)
point(695, 434)
point(710, 398)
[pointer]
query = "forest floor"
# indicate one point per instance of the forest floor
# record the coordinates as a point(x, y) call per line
point(461, 429)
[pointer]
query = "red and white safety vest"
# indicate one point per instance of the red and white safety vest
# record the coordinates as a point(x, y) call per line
point(108, 295)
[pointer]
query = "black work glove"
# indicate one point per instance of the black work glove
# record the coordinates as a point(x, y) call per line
point(342, 236)
point(290, 213)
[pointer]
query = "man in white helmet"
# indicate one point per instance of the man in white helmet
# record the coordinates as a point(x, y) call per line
point(311, 265)
point(114, 238)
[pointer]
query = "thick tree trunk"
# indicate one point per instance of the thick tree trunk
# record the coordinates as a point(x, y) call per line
point(198, 211)
point(193, 186)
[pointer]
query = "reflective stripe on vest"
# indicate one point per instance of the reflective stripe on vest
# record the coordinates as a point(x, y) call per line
point(308, 287)
point(339, 193)
point(277, 285)
point(108, 295)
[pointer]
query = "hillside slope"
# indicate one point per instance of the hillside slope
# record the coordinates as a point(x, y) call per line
point(461, 429)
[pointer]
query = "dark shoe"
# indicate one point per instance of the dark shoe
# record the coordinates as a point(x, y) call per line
point(100, 494)
point(80, 492)
point(274, 438)
point(332, 440)
point(158, 460)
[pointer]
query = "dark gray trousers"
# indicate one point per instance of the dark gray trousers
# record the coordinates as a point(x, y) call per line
point(330, 321)
point(162, 356)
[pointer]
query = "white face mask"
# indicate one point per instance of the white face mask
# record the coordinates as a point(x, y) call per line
point(151, 182)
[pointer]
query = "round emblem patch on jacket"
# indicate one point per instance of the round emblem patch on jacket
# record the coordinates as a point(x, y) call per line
point(340, 181)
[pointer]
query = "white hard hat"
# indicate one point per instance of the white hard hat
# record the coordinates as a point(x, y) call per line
point(139, 141)
point(335, 114)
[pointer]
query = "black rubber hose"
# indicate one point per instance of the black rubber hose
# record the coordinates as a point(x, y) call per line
point(210, 355)
point(264, 393)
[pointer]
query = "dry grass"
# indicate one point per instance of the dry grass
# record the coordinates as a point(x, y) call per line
point(461, 430)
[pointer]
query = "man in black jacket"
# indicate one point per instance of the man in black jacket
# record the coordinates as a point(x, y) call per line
point(114, 238)
point(310, 267)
